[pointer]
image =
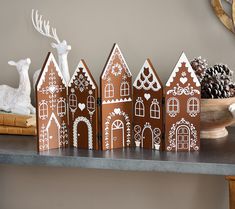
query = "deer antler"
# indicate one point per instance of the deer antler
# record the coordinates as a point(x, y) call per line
point(43, 26)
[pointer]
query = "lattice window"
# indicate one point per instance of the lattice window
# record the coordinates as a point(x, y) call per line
point(193, 107)
point(61, 107)
point(90, 102)
point(125, 89)
point(155, 109)
point(43, 110)
point(173, 106)
point(139, 107)
point(109, 90)
point(73, 102)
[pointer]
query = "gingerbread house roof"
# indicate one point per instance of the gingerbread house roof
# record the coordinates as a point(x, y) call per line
point(183, 59)
point(115, 51)
point(41, 80)
point(147, 78)
point(82, 65)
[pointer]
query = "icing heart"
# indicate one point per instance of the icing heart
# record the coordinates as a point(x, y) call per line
point(81, 106)
point(183, 80)
point(117, 111)
point(147, 96)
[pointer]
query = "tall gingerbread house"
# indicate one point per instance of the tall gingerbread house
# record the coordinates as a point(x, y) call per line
point(82, 108)
point(147, 107)
point(116, 99)
point(51, 96)
point(182, 101)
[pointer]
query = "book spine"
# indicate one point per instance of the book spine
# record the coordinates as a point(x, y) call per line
point(18, 130)
point(13, 121)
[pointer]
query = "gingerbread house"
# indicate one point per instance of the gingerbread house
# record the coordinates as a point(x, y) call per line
point(51, 96)
point(82, 108)
point(182, 101)
point(147, 107)
point(116, 98)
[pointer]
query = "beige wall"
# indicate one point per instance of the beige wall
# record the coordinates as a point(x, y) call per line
point(158, 29)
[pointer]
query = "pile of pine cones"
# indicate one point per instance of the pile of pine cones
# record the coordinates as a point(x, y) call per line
point(216, 81)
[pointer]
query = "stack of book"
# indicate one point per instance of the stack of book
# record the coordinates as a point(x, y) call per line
point(17, 124)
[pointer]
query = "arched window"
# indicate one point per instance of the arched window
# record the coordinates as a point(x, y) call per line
point(155, 109)
point(139, 107)
point(173, 106)
point(193, 106)
point(73, 101)
point(61, 107)
point(125, 89)
point(90, 103)
point(43, 110)
point(109, 90)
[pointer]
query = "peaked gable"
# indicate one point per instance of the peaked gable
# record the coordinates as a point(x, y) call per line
point(183, 61)
point(42, 76)
point(147, 78)
point(82, 66)
point(115, 52)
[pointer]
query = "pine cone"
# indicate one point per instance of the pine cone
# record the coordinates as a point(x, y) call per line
point(218, 82)
point(199, 65)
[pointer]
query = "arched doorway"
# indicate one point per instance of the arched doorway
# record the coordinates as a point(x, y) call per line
point(147, 137)
point(82, 133)
point(117, 134)
point(183, 137)
point(53, 132)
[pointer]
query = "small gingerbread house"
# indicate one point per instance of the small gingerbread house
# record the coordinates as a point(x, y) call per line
point(82, 108)
point(182, 101)
point(147, 107)
point(116, 98)
point(51, 96)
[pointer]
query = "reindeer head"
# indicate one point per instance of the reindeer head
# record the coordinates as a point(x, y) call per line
point(43, 27)
point(62, 47)
point(21, 65)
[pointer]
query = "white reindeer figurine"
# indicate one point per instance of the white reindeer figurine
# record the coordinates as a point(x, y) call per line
point(43, 27)
point(17, 100)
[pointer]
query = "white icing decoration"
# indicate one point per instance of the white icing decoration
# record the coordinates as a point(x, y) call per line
point(45, 70)
point(146, 79)
point(147, 96)
point(192, 135)
point(182, 59)
point(81, 106)
point(116, 51)
point(117, 101)
point(75, 134)
point(87, 75)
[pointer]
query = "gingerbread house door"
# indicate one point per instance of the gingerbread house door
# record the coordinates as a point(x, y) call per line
point(117, 134)
point(147, 137)
point(183, 138)
point(53, 132)
point(82, 133)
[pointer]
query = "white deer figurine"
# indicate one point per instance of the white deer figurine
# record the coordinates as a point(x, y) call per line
point(17, 100)
point(43, 27)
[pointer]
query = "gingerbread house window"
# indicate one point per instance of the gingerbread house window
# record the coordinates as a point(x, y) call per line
point(43, 110)
point(61, 107)
point(193, 106)
point(155, 109)
point(139, 108)
point(125, 89)
point(73, 101)
point(109, 90)
point(173, 106)
point(90, 102)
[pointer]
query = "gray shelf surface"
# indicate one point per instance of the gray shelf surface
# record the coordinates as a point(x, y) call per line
point(216, 157)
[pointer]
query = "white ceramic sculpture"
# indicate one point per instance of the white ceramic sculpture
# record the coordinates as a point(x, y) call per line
point(17, 100)
point(43, 27)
